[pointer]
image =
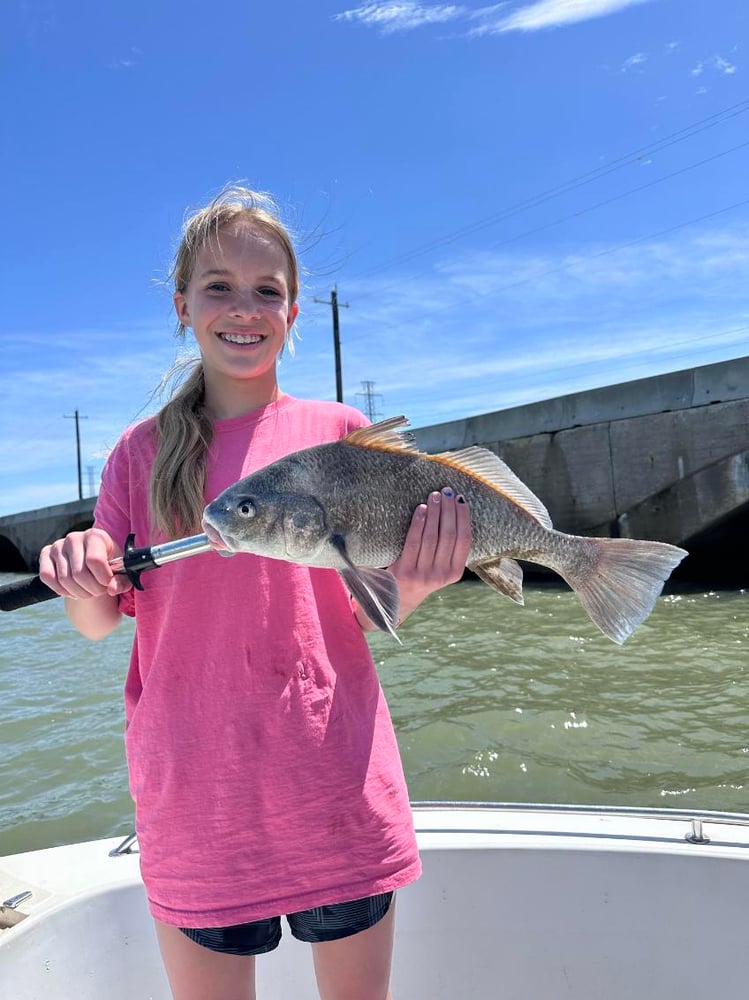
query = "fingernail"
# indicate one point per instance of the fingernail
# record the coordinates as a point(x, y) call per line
point(447, 492)
point(460, 498)
point(436, 497)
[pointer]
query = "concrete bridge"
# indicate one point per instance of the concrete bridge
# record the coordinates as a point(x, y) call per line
point(664, 458)
point(23, 535)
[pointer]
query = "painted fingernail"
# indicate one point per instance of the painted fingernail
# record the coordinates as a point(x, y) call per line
point(460, 498)
point(436, 497)
point(447, 492)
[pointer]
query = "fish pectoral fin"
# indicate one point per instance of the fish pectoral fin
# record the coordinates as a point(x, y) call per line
point(376, 590)
point(502, 574)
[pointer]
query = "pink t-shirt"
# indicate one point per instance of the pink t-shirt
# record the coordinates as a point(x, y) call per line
point(262, 758)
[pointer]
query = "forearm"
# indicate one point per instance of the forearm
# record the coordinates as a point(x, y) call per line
point(94, 617)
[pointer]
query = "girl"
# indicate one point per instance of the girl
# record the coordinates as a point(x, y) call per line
point(261, 755)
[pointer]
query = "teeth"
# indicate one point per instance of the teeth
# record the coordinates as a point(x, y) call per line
point(239, 338)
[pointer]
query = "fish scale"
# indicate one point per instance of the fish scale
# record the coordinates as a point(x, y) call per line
point(497, 523)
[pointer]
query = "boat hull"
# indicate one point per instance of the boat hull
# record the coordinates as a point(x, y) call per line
point(514, 903)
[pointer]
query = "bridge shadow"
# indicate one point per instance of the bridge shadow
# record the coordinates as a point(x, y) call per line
point(719, 556)
point(11, 560)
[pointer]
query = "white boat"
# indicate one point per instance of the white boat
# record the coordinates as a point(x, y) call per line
point(515, 903)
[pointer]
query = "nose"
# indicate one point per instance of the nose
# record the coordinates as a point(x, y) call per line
point(245, 304)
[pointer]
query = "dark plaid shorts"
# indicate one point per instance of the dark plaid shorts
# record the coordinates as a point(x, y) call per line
point(322, 923)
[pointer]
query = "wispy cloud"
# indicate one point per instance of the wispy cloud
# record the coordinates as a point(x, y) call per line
point(702, 265)
point(723, 66)
point(716, 63)
point(128, 61)
point(405, 16)
point(391, 17)
point(552, 14)
point(634, 62)
point(503, 328)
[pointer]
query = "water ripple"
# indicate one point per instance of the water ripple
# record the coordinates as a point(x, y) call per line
point(490, 701)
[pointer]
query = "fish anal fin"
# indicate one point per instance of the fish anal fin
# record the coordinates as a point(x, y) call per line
point(501, 574)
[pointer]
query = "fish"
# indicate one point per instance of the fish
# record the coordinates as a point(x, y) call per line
point(347, 505)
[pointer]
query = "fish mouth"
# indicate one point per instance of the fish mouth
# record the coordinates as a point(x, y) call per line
point(215, 537)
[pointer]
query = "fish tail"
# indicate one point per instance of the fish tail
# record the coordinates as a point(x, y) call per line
point(618, 580)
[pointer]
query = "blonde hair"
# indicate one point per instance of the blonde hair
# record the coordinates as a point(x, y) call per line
point(184, 428)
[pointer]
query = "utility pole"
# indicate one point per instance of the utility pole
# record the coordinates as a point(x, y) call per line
point(369, 403)
point(76, 416)
point(336, 339)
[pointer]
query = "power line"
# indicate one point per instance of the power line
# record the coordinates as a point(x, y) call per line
point(565, 187)
point(578, 213)
point(424, 314)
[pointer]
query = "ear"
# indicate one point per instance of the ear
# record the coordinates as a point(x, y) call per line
point(180, 307)
point(291, 318)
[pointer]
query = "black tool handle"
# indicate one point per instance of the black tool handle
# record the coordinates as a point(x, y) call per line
point(27, 592)
point(24, 593)
point(132, 562)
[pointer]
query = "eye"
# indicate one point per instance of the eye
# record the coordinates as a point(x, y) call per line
point(246, 508)
point(270, 293)
point(218, 286)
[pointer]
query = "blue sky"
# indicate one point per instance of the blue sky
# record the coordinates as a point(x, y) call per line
point(516, 201)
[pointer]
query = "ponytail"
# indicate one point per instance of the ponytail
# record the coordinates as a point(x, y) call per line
point(178, 477)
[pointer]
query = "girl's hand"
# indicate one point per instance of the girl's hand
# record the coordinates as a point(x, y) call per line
point(77, 566)
point(435, 550)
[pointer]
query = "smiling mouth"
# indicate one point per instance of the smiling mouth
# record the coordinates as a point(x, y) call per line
point(241, 338)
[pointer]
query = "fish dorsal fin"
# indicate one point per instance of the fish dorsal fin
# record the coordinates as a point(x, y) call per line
point(387, 435)
point(493, 472)
point(479, 463)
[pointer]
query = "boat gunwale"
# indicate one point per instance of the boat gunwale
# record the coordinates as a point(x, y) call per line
point(633, 812)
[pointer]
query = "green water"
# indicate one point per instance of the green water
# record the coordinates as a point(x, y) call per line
point(490, 701)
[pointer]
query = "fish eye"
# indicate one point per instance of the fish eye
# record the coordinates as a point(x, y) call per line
point(246, 508)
